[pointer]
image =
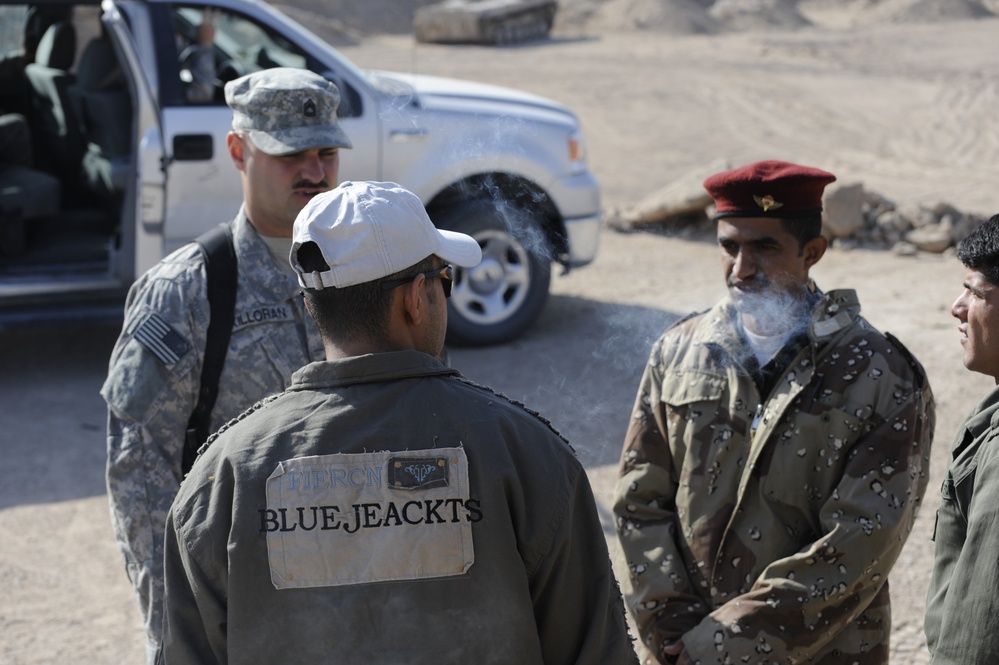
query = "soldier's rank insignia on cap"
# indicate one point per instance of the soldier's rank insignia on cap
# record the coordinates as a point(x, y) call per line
point(767, 202)
point(410, 473)
point(310, 110)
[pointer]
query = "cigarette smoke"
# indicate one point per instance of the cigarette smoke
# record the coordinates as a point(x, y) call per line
point(493, 148)
point(778, 311)
point(521, 210)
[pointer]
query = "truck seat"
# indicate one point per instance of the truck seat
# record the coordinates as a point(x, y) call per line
point(25, 194)
point(103, 106)
point(55, 130)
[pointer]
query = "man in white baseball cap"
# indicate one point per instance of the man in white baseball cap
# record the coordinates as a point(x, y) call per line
point(376, 237)
point(383, 506)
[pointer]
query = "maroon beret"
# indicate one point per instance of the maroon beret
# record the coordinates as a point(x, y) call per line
point(768, 189)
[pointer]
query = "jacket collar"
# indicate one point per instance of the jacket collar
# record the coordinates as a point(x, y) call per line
point(984, 417)
point(274, 282)
point(370, 368)
point(832, 313)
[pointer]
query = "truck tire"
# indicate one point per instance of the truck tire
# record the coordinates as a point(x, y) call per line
point(497, 300)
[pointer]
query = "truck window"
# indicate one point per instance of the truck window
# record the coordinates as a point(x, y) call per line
point(215, 46)
point(239, 45)
point(12, 21)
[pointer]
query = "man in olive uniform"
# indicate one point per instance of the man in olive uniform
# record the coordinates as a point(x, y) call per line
point(285, 141)
point(962, 609)
point(384, 509)
point(777, 452)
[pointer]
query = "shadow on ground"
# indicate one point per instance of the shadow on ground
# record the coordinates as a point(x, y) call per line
point(53, 418)
point(579, 366)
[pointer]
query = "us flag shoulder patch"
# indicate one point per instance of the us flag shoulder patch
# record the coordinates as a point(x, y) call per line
point(161, 340)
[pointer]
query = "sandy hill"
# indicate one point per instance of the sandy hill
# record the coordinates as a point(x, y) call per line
point(347, 21)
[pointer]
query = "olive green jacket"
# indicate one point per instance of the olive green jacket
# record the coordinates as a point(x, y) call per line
point(383, 509)
point(763, 530)
point(962, 609)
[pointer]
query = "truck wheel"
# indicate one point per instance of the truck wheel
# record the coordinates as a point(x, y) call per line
point(497, 300)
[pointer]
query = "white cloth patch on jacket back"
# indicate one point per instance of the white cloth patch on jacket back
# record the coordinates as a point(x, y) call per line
point(334, 520)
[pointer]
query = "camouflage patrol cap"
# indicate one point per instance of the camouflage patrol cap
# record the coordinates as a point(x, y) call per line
point(285, 110)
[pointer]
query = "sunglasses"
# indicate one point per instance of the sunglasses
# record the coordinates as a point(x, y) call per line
point(443, 274)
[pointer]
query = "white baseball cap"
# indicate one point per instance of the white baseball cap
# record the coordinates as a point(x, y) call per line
point(369, 230)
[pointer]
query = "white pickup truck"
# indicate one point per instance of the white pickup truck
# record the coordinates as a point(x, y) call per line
point(126, 169)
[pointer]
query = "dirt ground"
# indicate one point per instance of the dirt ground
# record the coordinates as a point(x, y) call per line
point(907, 109)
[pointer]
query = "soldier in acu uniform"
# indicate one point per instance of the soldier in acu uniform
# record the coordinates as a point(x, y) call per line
point(777, 452)
point(285, 141)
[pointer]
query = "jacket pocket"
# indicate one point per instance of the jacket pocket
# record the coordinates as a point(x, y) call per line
point(700, 426)
point(806, 457)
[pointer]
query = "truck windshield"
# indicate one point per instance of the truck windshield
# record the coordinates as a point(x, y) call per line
point(239, 42)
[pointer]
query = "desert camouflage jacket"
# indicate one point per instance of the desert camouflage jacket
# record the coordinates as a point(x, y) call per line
point(763, 530)
point(154, 378)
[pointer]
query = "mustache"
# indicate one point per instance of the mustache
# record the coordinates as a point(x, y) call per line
point(306, 184)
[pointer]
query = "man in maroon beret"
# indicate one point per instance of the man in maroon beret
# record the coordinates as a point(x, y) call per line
point(777, 452)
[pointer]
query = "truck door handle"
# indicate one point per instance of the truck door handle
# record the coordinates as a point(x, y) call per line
point(408, 135)
point(192, 147)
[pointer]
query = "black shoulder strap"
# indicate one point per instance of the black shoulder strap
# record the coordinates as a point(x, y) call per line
point(220, 266)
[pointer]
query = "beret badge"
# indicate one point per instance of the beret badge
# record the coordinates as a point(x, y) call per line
point(767, 202)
